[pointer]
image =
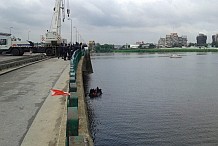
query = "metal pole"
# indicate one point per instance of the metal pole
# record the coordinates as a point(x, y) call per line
point(79, 37)
point(10, 29)
point(28, 35)
point(71, 37)
point(76, 32)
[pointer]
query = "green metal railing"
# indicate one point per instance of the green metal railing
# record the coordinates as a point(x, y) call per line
point(72, 134)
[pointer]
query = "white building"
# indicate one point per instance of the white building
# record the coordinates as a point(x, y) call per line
point(134, 46)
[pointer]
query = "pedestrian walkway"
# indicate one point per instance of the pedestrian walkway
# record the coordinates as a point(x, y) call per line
point(48, 128)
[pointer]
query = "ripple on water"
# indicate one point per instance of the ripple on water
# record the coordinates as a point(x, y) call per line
point(155, 100)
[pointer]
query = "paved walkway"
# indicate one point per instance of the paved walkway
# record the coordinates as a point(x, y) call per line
point(49, 126)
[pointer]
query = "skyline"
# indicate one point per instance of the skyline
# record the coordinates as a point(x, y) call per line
point(115, 22)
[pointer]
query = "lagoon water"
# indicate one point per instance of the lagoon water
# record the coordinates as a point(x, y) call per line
point(151, 99)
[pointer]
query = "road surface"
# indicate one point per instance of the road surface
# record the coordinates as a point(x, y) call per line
point(8, 57)
point(22, 94)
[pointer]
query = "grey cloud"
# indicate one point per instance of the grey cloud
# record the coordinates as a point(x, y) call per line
point(151, 14)
point(21, 14)
point(154, 17)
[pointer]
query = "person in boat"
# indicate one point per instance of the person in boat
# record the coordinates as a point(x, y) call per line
point(91, 91)
point(95, 92)
point(99, 90)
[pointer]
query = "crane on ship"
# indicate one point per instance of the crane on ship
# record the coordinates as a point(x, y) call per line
point(53, 35)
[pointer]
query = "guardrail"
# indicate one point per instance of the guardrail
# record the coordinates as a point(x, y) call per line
point(21, 61)
point(72, 130)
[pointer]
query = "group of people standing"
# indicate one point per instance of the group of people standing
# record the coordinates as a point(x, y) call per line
point(65, 51)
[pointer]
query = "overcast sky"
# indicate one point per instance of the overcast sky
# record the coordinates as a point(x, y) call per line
point(113, 21)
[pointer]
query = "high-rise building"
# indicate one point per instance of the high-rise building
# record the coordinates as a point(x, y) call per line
point(162, 42)
point(215, 40)
point(201, 40)
point(183, 41)
point(173, 40)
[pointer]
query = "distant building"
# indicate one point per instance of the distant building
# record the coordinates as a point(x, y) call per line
point(134, 46)
point(215, 40)
point(201, 40)
point(162, 42)
point(147, 46)
point(139, 43)
point(117, 47)
point(173, 40)
point(184, 41)
point(91, 45)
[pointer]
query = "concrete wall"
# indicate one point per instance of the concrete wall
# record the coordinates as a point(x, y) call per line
point(83, 113)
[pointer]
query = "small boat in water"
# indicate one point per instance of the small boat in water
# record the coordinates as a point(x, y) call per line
point(95, 92)
point(175, 56)
point(202, 53)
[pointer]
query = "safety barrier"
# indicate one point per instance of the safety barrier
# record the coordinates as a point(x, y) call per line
point(18, 62)
point(72, 130)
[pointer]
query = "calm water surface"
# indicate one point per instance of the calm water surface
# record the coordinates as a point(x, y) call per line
point(151, 99)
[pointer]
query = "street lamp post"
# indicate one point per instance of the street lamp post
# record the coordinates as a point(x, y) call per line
point(28, 34)
point(10, 29)
point(76, 32)
point(71, 38)
point(79, 38)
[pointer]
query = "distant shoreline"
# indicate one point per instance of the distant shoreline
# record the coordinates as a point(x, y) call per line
point(165, 50)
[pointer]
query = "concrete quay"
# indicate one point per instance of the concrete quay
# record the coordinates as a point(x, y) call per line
point(82, 108)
